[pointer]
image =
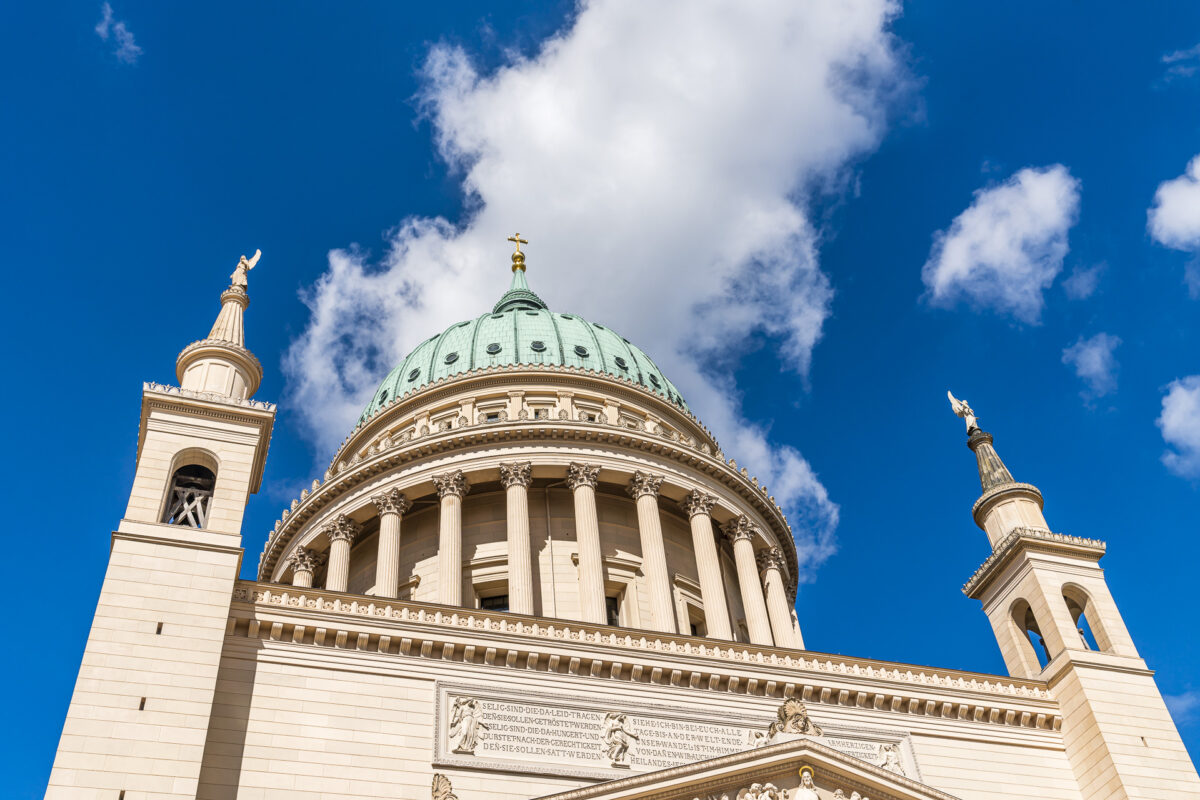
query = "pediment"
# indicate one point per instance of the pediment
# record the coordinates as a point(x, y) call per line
point(766, 773)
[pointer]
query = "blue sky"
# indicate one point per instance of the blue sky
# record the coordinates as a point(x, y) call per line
point(828, 252)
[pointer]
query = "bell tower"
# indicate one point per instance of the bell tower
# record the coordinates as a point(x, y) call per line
point(139, 714)
point(1056, 620)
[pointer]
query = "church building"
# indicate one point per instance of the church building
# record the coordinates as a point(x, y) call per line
point(531, 572)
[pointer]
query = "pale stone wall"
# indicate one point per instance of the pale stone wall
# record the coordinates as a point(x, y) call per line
point(312, 723)
point(1121, 738)
point(157, 574)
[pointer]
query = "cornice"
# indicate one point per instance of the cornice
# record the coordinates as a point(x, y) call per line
point(150, 387)
point(390, 455)
point(664, 783)
point(313, 617)
point(1029, 539)
point(212, 406)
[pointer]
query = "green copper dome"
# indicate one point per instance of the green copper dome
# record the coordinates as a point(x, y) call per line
point(521, 330)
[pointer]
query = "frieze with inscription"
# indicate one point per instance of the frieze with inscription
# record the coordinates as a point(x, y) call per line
point(544, 734)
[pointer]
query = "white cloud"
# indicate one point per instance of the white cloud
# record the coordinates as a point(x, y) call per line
point(1180, 426)
point(1007, 248)
point(656, 155)
point(1181, 64)
point(1094, 363)
point(1083, 282)
point(1184, 707)
point(1174, 219)
point(127, 50)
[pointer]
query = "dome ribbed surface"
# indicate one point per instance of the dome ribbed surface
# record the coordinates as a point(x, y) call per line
point(521, 330)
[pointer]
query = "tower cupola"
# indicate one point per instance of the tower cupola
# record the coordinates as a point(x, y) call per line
point(1006, 504)
point(220, 363)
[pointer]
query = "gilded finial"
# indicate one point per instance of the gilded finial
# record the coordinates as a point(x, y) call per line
point(518, 258)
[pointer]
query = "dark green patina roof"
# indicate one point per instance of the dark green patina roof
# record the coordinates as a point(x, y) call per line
point(521, 330)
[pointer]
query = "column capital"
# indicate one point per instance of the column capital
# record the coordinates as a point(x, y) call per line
point(739, 528)
point(451, 483)
point(304, 559)
point(644, 483)
point(519, 473)
point(771, 558)
point(341, 528)
point(582, 475)
point(391, 501)
point(698, 503)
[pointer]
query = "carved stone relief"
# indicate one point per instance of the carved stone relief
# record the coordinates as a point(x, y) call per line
point(762, 791)
point(619, 738)
point(792, 719)
point(467, 727)
point(889, 758)
point(441, 789)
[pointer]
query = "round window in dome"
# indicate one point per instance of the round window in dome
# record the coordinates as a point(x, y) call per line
point(537, 346)
point(566, 316)
point(581, 351)
point(451, 358)
point(412, 376)
point(383, 396)
point(531, 313)
point(493, 348)
point(620, 362)
point(497, 316)
point(654, 380)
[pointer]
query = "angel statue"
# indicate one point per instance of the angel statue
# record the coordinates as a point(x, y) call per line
point(441, 788)
point(467, 727)
point(244, 265)
point(618, 739)
point(963, 409)
point(889, 758)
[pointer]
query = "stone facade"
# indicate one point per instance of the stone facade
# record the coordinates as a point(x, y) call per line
point(539, 580)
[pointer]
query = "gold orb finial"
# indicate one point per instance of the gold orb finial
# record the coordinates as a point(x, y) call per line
point(518, 258)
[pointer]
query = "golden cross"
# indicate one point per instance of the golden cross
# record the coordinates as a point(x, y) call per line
point(518, 241)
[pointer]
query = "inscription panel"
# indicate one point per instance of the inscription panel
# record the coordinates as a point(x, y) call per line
point(546, 734)
point(524, 730)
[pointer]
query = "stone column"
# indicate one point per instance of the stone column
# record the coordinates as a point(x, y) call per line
point(698, 507)
point(516, 479)
point(304, 564)
point(779, 611)
point(740, 531)
point(451, 488)
point(391, 506)
point(341, 532)
point(644, 489)
point(581, 479)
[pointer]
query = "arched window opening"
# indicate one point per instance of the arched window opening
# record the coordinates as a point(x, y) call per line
point(190, 496)
point(1036, 639)
point(1081, 609)
point(1081, 625)
point(1036, 651)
